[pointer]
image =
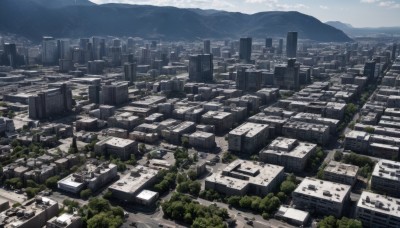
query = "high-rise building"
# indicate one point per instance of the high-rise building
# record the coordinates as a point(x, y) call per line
point(268, 42)
point(280, 47)
point(249, 80)
point(64, 49)
point(130, 72)
point(114, 94)
point(207, 47)
point(53, 101)
point(370, 70)
point(201, 68)
point(245, 49)
point(98, 48)
point(49, 51)
point(10, 55)
point(287, 76)
point(291, 45)
point(394, 51)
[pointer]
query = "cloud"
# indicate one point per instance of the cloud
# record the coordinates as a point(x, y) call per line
point(324, 7)
point(383, 3)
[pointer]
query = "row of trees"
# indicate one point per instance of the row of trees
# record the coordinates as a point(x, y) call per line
point(332, 222)
point(182, 208)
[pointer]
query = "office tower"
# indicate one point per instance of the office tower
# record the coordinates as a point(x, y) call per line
point(249, 80)
point(64, 49)
point(98, 48)
point(115, 94)
point(130, 72)
point(394, 51)
point(53, 101)
point(287, 76)
point(268, 43)
point(153, 45)
point(370, 70)
point(280, 47)
point(291, 45)
point(115, 53)
point(96, 66)
point(207, 47)
point(245, 50)
point(83, 42)
point(145, 56)
point(130, 43)
point(10, 55)
point(49, 51)
point(201, 68)
point(117, 43)
point(94, 94)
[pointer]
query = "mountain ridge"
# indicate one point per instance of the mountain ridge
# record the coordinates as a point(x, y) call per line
point(33, 20)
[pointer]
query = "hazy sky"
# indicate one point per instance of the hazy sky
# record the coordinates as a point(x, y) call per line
point(359, 13)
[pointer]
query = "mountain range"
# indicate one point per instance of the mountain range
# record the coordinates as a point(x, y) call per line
point(354, 32)
point(82, 18)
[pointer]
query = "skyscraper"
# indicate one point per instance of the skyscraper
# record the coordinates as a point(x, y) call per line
point(268, 42)
point(291, 45)
point(394, 51)
point(287, 76)
point(249, 79)
point(280, 47)
point(49, 50)
point(201, 68)
point(64, 49)
point(245, 49)
point(207, 47)
point(130, 72)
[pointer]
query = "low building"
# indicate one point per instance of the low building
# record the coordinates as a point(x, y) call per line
point(202, 140)
point(317, 133)
point(246, 177)
point(374, 210)
point(385, 178)
point(94, 176)
point(341, 173)
point(129, 186)
point(65, 221)
point(223, 121)
point(289, 153)
point(121, 148)
point(147, 197)
point(248, 138)
point(174, 134)
point(32, 213)
point(322, 197)
point(292, 216)
point(357, 141)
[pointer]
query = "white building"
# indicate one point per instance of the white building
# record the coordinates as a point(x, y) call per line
point(386, 178)
point(379, 211)
point(323, 197)
point(246, 177)
point(289, 153)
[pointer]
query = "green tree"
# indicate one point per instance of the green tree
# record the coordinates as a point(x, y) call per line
point(52, 182)
point(338, 156)
point(287, 187)
point(104, 220)
point(85, 194)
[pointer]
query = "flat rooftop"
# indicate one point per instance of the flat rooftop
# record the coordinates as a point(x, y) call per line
point(249, 129)
point(341, 169)
point(387, 169)
point(134, 180)
point(289, 147)
point(251, 172)
point(379, 203)
point(323, 189)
